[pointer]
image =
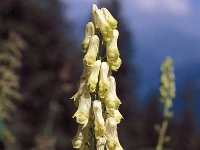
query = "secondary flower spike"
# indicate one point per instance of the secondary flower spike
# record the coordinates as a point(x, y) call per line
point(98, 104)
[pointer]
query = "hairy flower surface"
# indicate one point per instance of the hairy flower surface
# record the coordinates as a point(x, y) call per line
point(94, 75)
point(112, 142)
point(99, 120)
point(89, 32)
point(101, 143)
point(81, 137)
point(112, 52)
point(92, 52)
point(103, 81)
point(83, 113)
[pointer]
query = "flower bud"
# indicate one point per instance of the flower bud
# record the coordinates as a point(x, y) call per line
point(99, 120)
point(94, 75)
point(112, 142)
point(81, 136)
point(89, 32)
point(112, 101)
point(112, 52)
point(83, 113)
point(92, 52)
point(109, 18)
point(103, 82)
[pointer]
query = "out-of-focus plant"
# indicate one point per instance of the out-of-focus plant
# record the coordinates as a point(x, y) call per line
point(10, 62)
point(167, 94)
point(96, 99)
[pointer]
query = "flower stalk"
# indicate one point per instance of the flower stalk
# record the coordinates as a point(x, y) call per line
point(96, 99)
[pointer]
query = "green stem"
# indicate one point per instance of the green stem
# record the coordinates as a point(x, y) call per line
point(162, 134)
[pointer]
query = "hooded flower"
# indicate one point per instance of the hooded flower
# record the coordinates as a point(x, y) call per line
point(83, 113)
point(101, 142)
point(89, 32)
point(114, 114)
point(81, 137)
point(94, 75)
point(109, 18)
point(112, 52)
point(102, 24)
point(112, 101)
point(112, 142)
point(114, 66)
point(92, 52)
point(99, 120)
point(103, 82)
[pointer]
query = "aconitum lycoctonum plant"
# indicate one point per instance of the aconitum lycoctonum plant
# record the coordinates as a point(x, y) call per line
point(96, 99)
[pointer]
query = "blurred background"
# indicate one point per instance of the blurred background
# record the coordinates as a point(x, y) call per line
point(41, 61)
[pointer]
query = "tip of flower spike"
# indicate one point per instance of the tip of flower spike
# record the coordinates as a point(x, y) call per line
point(109, 18)
point(94, 7)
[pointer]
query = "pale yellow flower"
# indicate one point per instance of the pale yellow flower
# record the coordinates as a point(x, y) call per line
point(112, 142)
point(81, 137)
point(102, 24)
point(89, 32)
point(109, 18)
point(99, 120)
point(83, 113)
point(112, 101)
point(112, 52)
point(92, 52)
point(114, 113)
point(101, 142)
point(114, 66)
point(103, 82)
point(94, 75)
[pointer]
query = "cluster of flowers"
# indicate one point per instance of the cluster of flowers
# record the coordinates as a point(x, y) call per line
point(102, 113)
point(167, 87)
